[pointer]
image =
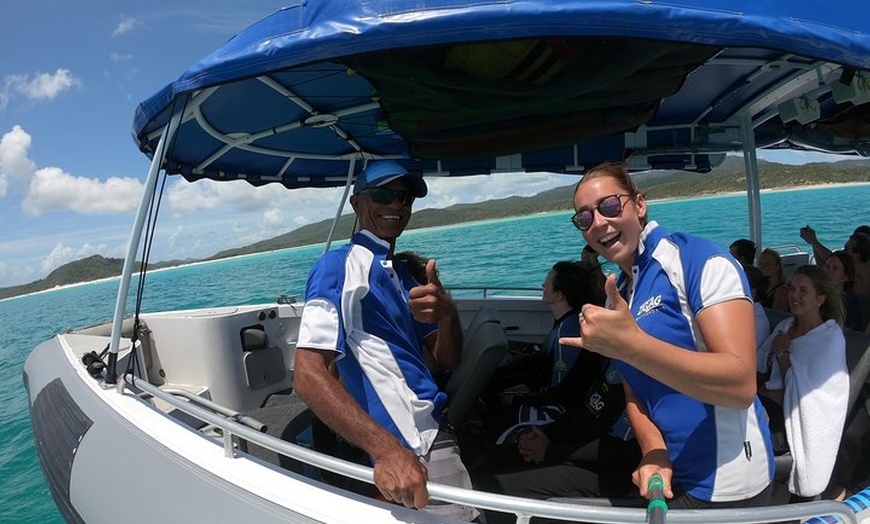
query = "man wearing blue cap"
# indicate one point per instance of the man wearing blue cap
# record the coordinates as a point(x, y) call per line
point(385, 333)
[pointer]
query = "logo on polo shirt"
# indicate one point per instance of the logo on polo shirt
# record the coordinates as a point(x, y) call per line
point(649, 306)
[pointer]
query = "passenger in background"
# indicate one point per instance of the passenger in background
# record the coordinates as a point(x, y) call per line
point(757, 285)
point(566, 288)
point(588, 451)
point(572, 437)
point(859, 246)
point(840, 267)
point(862, 230)
point(685, 348)
point(415, 263)
point(744, 250)
point(808, 389)
point(776, 294)
point(820, 251)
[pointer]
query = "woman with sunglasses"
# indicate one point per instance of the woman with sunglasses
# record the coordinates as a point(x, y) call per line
point(680, 321)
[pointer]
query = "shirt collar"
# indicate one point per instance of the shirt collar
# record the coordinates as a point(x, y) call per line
point(651, 226)
point(371, 241)
point(649, 237)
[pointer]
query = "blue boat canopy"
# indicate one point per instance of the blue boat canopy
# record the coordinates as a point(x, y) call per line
point(307, 95)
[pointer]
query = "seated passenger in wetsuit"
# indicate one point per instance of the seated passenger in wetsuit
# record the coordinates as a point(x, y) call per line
point(552, 389)
point(587, 451)
point(571, 437)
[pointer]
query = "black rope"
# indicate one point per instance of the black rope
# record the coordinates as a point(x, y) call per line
point(150, 230)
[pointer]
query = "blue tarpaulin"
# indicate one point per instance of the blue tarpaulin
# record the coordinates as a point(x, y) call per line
point(457, 87)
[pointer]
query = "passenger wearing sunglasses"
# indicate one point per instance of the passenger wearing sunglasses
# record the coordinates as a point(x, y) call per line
point(679, 318)
point(383, 331)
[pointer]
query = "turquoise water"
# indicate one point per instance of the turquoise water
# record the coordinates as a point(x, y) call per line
point(510, 252)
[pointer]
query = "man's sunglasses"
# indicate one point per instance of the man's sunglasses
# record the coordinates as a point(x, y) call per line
point(608, 207)
point(385, 195)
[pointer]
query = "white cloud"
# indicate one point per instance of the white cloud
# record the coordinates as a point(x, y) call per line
point(195, 240)
point(52, 189)
point(465, 190)
point(184, 197)
point(272, 222)
point(239, 214)
point(18, 273)
point(237, 195)
point(248, 213)
point(124, 26)
point(299, 221)
point(115, 56)
point(792, 157)
point(43, 86)
point(273, 219)
point(282, 210)
point(15, 166)
point(176, 234)
point(62, 254)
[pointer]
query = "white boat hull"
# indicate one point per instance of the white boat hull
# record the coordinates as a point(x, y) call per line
point(113, 453)
point(109, 456)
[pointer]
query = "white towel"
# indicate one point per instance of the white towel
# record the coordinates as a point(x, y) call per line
point(815, 400)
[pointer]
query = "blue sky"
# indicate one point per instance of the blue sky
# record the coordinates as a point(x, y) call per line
point(71, 76)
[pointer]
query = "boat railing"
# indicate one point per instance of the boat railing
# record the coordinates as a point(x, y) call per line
point(236, 432)
point(486, 291)
point(241, 418)
point(788, 249)
point(791, 257)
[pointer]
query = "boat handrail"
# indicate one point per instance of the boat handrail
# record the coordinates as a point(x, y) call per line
point(230, 414)
point(788, 249)
point(523, 508)
point(486, 290)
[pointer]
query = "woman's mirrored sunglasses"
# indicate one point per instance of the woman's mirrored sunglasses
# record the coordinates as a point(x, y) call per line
point(608, 207)
point(385, 195)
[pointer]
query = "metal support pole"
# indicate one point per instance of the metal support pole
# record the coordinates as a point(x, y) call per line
point(753, 184)
point(347, 187)
point(133, 248)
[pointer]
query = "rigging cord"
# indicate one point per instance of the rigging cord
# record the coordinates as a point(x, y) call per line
point(150, 230)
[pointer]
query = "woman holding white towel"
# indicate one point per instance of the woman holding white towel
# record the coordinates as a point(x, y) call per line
point(808, 388)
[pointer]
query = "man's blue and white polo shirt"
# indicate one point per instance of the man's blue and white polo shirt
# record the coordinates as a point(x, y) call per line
point(356, 304)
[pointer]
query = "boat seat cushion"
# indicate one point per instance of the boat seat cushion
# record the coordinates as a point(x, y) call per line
point(287, 417)
point(484, 349)
point(264, 367)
